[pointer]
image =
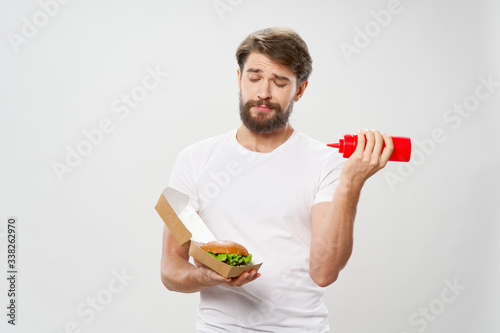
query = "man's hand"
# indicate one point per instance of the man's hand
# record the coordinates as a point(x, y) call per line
point(178, 274)
point(212, 278)
point(366, 161)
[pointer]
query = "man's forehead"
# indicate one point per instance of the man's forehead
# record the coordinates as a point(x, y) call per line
point(259, 63)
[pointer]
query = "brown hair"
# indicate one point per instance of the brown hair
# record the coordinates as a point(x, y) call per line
point(281, 45)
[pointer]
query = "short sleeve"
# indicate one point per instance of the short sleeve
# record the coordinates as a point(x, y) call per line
point(183, 177)
point(329, 179)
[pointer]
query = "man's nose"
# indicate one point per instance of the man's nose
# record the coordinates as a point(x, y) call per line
point(264, 91)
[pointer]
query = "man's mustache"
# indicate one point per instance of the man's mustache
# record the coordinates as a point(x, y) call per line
point(262, 102)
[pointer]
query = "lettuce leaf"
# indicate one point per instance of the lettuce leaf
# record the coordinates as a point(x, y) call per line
point(232, 259)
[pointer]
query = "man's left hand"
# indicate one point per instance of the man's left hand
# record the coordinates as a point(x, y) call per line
point(367, 160)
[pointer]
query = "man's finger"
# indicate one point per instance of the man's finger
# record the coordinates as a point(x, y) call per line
point(240, 280)
point(370, 142)
point(256, 276)
point(389, 148)
point(219, 278)
point(379, 142)
point(245, 278)
point(361, 143)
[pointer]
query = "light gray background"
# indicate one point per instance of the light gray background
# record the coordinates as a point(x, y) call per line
point(437, 223)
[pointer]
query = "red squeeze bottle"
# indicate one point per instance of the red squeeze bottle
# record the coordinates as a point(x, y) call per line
point(401, 153)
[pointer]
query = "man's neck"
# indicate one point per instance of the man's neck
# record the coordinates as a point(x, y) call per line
point(263, 142)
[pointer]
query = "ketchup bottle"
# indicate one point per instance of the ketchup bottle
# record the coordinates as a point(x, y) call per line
point(401, 153)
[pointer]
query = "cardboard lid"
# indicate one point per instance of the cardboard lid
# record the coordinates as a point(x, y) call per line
point(182, 220)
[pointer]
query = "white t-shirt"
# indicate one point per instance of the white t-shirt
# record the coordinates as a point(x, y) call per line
point(262, 201)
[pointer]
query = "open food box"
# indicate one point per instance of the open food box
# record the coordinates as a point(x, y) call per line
point(191, 232)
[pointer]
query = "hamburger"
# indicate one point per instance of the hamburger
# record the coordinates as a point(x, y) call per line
point(228, 252)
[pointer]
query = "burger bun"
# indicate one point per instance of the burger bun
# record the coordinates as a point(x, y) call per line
point(223, 246)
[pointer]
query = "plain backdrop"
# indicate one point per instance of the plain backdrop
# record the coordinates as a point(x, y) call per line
point(426, 235)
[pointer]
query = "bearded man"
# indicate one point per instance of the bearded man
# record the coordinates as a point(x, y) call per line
point(288, 198)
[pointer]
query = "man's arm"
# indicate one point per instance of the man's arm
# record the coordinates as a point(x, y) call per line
point(178, 274)
point(332, 223)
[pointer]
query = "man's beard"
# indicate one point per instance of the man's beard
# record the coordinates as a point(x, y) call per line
point(262, 123)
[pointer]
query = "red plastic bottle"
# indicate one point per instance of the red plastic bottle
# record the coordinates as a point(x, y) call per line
point(401, 153)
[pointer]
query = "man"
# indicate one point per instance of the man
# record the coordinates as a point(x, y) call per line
point(289, 199)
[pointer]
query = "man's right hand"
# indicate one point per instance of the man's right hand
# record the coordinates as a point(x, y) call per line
point(178, 274)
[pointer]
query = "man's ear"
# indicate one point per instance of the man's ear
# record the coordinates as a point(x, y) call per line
point(300, 91)
point(239, 78)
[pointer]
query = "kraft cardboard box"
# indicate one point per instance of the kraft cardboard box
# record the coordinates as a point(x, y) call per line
point(191, 232)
